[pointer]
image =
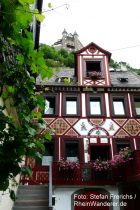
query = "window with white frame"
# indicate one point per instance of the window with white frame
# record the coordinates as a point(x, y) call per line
point(71, 106)
point(95, 106)
point(118, 106)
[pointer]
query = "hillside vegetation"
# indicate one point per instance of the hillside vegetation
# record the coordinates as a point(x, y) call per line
point(58, 58)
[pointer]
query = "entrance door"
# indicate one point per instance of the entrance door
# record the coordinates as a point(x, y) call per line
point(90, 200)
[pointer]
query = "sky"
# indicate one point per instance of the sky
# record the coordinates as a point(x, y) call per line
point(114, 25)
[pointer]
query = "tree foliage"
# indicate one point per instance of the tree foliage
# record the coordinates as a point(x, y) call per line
point(116, 65)
point(57, 58)
point(20, 62)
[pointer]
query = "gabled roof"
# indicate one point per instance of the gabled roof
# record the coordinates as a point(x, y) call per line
point(92, 44)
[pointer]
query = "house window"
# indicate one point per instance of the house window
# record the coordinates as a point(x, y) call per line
point(72, 151)
point(102, 152)
point(122, 144)
point(50, 105)
point(91, 66)
point(95, 105)
point(119, 144)
point(71, 104)
point(48, 155)
point(49, 149)
point(137, 105)
point(119, 105)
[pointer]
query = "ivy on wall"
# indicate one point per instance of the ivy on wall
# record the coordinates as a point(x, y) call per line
point(19, 63)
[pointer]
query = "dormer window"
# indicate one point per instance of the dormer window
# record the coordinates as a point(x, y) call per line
point(92, 66)
point(123, 79)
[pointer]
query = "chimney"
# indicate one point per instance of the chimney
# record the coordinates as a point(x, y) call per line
point(123, 66)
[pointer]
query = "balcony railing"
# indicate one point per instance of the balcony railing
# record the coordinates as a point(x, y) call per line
point(40, 175)
point(85, 175)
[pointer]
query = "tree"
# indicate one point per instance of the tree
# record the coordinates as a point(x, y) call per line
point(58, 58)
point(20, 62)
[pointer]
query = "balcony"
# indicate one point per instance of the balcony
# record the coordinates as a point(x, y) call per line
point(85, 175)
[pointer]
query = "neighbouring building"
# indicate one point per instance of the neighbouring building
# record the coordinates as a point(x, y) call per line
point(92, 117)
point(69, 42)
point(5, 201)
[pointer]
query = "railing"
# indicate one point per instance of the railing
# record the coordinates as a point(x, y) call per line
point(129, 171)
point(84, 175)
point(40, 175)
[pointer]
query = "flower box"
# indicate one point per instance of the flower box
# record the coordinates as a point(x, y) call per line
point(95, 75)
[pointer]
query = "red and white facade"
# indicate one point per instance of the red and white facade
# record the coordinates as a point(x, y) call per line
point(89, 118)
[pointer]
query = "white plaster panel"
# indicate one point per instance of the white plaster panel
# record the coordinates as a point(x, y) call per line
point(80, 67)
point(106, 65)
point(93, 140)
point(87, 56)
point(129, 101)
point(60, 108)
point(104, 140)
point(107, 105)
point(83, 105)
point(110, 126)
point(83, 127)
point(98, 132)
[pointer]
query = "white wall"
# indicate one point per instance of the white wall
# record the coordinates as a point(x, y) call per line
point(5, 201)
point(63, 196)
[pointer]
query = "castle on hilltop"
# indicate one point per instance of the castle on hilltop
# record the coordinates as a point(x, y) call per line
point(69, 42)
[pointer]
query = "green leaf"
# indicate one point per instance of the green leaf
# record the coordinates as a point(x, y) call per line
point(11, 89)
point(39, 115)
point(4, 185)
point(31, 131)
point(40, 145)
point(67, 80)
point(26, 1)
point(40, 17)
point(49, 5)
point(20, 58)
point(57, 70)
point(41, 102)
point(42, 125)
point(27, 170)
point(38, 155)
point(32, 145)
point(48, 136)
point(5, 95)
